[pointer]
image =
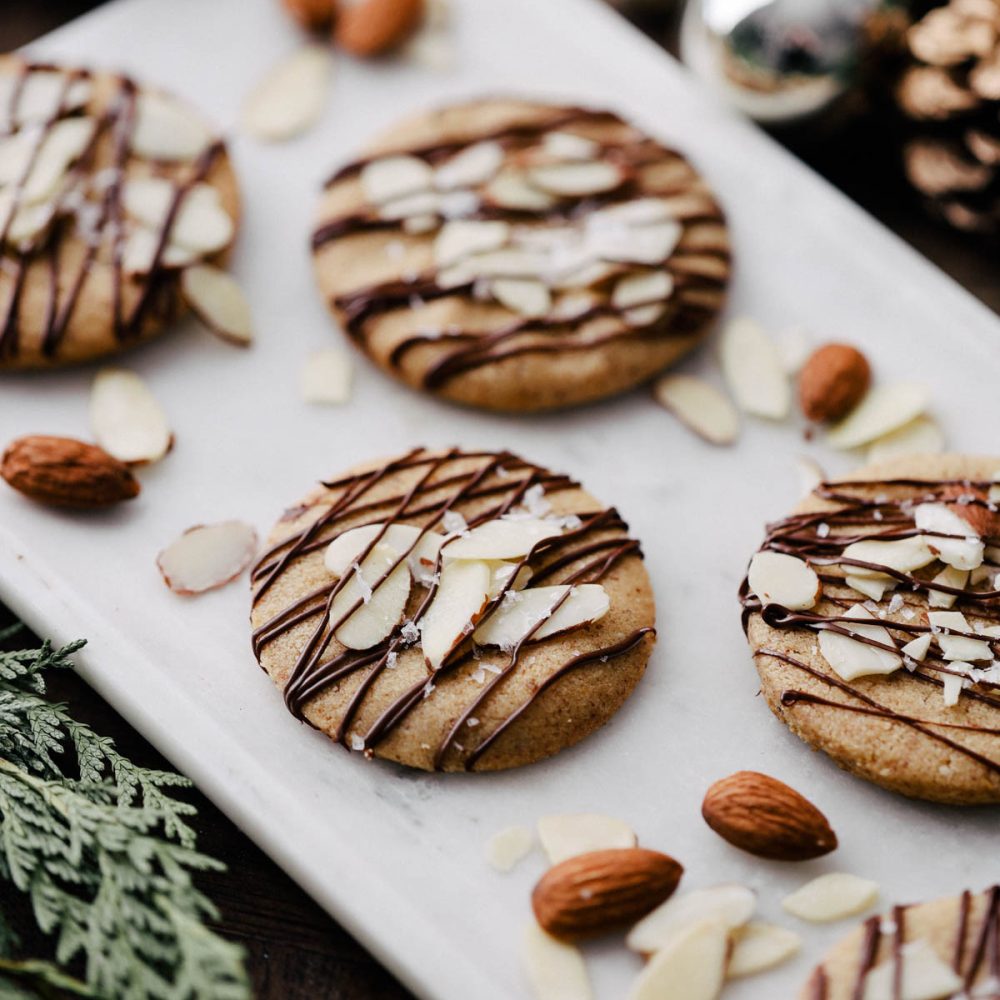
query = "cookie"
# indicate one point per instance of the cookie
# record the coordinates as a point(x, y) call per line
point(453, 610)
point(873, 613)
point(942, 949)
point(107, 191)
point(518, 256)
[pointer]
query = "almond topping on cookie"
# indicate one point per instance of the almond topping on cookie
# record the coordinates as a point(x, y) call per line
point(778, 578)
point(854, 657)
point(924, 976)
point(216, 298)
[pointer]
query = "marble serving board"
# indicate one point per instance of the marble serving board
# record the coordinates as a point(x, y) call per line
point(397, 857)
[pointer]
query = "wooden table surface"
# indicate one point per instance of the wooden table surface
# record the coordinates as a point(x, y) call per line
point(295, 951)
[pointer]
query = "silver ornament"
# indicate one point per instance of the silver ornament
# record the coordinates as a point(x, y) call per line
point(782, 61)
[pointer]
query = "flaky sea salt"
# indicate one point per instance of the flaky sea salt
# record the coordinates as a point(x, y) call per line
point(822, 530)
point(357, 742)
point(453, 523)
point(390, 659)
point(363, 585)
point(409, 632)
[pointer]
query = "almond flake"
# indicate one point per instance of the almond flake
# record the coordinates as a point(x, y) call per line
point(507, 847)
point(207, 556)
point(380, 593)
point(778, 578)
point(393, 177)
point(957, 647)
point(567, 146)
point(463, 237)
point(326, 377)
point(851, 658)
point(201, 224)
point(831, 897)
point(699, 406)
point(690, 967)
point(753, 370)
point(292, 96)
point(575, 180)
point(502, 538)
point(966, 551)
point(60, 148)
point(922, 436)
point(924, 976)
point(165, 129)
point(650, 245)
point(569, 834)
point(729, 904)
point(556, 970)
point(916, 649)
point(758, 947)
point(458, 602)
point(512, 190)
point(541, 612)
point(127, 421)
point(473, 166)
point(639, 289)
point(948, 577)
point(522, 295)
point(885, 409)
point(217, 300)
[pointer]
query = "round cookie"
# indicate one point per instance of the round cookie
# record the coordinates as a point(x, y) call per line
point(518, 256)
point(912, 702)
point(490, 614)
point(944, 949)
point(107, 191)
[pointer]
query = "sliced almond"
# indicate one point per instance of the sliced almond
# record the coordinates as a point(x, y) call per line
point(690, 967)
point(778, 578)
point(142, 246)
point(555, 970)
point(207, 556)
point(218, 301)
point(127, 421)
point(393, 177)
point(200, 224)
point(16, 152)
point(873, 587)
point(831, 897)
point(567, 146)
point(326, 377)
point(541, 612)
point(569, 834)
point(347, 547)
point(291, 97)
point(461, 595)
point(28, 221)
point(502, 538)
point(699, 406)
point(165, 129)
point(729, 904)
point(43, 93)
point(966, 551)
point(641, 288)
point(522, 295)
point(511, 189)
point(575, 180)
point(903, 555)
point(507, 847)
point(948, 577)
point(500, 577)
point(630, 214)
point(380, 604)
point(760, 946)
point(924, 976)
point(922, 436)
point(916, 649)
point(460, 238)
point(473, 166)
point(957, 647)
point(952, 685)
point(884, 410)
point(62, 146)
point(649, 245)
point(851, 658)
point(753, 370)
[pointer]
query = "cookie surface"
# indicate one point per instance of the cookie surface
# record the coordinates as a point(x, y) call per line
point(518, 256)
point(107, 191)
point(923, 720)
point(945, 949)
point(453, 610)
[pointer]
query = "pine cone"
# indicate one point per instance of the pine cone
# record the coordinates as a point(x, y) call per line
point(950, 96)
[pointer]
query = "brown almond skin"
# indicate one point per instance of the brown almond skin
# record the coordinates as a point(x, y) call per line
point(764, 816)
point(833, 381)
point(64, 472)
point(983, 521)
point(313, 15)
point(594, 893)
point(376, 26)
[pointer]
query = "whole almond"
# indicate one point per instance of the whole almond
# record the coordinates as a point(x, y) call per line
point(832, 382)
point(372, 27)
point(313, 15)
point(590, 894)
point(764, 816)
point(63, 472)
point(973, 507)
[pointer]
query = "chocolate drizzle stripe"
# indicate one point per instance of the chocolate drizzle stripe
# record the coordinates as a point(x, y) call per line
point(489, 475)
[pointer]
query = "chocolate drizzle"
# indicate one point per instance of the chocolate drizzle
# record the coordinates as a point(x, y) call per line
point(975, 952)
point(883, 511)
point(481, 486)
point(698, 267)
point(102, 237)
